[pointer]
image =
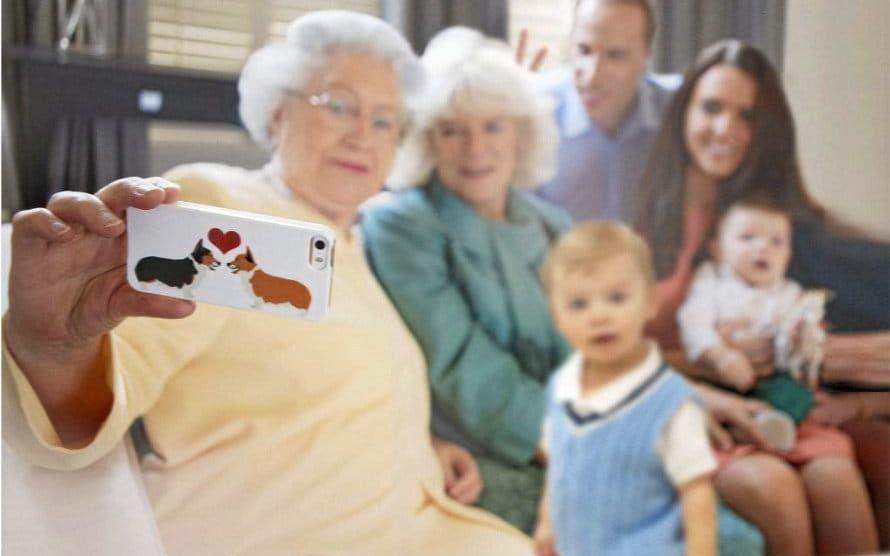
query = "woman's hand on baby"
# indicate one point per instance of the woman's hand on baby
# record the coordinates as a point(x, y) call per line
point(462, 479)
point(732, 368)
point(731, 418)
point(758, 350)
point(67, 282)
point(835, 410)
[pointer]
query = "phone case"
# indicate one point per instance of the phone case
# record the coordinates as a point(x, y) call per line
point(232, 258)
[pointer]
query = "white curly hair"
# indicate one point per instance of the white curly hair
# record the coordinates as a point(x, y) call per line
point(311, 40)
point(469, 73)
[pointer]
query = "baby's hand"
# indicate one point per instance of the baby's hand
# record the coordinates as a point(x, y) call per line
point(733, 368)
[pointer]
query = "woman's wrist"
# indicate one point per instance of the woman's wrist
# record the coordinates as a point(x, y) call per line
point(863, 407)
point(863, 411)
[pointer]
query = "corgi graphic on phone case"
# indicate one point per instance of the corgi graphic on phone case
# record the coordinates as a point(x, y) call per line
point(262, 287)
point(278, 266)
point(184, 274)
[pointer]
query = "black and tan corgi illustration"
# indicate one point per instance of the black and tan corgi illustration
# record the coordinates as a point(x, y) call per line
point(266, 288)
point(185, 273)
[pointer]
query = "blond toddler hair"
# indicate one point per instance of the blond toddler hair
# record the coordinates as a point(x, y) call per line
point(587, 245)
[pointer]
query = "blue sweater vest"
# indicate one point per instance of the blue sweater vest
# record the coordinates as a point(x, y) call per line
point(609, 493)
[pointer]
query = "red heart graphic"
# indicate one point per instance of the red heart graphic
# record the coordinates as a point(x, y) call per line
point(225, 242)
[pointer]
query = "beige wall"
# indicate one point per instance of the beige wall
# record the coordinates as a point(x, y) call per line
point(837, 72)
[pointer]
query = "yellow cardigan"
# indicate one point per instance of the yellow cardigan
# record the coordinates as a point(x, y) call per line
point(276, 436)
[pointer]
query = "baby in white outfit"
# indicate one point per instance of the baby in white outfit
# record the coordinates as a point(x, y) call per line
point(746, 283)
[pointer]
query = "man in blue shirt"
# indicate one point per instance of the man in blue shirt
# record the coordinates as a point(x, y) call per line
point(608, 110)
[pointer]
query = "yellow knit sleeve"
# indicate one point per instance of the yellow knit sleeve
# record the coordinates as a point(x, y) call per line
point(141, 354)
point(207, 184)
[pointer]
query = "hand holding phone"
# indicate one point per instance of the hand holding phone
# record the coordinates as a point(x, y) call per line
point(232, 258)
point(67, 289)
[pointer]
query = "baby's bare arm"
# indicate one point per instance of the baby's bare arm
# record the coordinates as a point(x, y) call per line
point(699, 508)
point(543, 534)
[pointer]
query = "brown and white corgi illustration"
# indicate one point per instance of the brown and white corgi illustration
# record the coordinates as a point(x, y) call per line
point(266, 288)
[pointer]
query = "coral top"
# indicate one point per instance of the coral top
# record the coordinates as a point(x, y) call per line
point(671, 291)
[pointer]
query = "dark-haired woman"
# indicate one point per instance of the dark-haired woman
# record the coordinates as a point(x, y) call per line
point(729, 134)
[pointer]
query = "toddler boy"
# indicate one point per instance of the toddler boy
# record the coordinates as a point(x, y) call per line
point(629, 463)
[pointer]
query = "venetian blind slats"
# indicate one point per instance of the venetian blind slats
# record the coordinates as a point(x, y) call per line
point(218, 35)
point(549, 24)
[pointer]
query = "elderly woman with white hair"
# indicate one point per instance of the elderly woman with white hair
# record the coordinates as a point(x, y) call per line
point(459, 256)
point(268, 435)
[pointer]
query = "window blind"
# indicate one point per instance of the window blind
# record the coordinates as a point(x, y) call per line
point(549, 24)
point(218, 35)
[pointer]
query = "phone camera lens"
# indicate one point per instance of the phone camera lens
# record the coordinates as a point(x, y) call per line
point(320, 244)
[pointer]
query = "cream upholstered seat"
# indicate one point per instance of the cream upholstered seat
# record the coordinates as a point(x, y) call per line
point(101, 510)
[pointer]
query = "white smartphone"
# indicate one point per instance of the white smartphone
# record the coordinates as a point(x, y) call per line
point(232, 258)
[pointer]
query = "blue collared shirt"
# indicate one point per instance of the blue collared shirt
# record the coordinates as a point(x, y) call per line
point(598, 173)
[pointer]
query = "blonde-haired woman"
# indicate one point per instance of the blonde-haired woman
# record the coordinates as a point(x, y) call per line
point(459, 253)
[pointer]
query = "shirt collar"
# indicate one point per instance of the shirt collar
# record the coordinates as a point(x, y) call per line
point(568, 383)
point(575, 121)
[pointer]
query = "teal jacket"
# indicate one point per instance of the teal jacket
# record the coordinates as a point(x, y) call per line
point(468, 288)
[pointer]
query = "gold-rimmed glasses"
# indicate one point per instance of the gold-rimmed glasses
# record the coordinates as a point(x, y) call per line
point(343, 107)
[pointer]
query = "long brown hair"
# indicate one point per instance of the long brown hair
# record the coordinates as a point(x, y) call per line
point(769, 168)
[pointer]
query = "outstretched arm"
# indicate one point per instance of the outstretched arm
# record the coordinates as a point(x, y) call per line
point(67, 290)
point(543, 534)
point(76, 370)
point(699, 508)
point(862, 358)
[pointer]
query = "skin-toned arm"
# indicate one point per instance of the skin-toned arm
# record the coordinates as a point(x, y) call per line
point(737, 363)
point(837, 409)
point(734, 412)
point(699, 509)
point(724, 408)
point(68, 289)
point(731, 367)
point(543, 534)
point(862, 358)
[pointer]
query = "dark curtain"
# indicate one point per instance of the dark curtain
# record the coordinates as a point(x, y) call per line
point(419, 20)
point(36, 23)
point(85, 153)
point(11, 191)
point(687, 26)
point(684, 26)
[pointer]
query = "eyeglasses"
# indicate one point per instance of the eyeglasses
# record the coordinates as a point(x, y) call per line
point(344, 108)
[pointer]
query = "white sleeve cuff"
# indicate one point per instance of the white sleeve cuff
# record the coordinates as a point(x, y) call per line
point(684, 446)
